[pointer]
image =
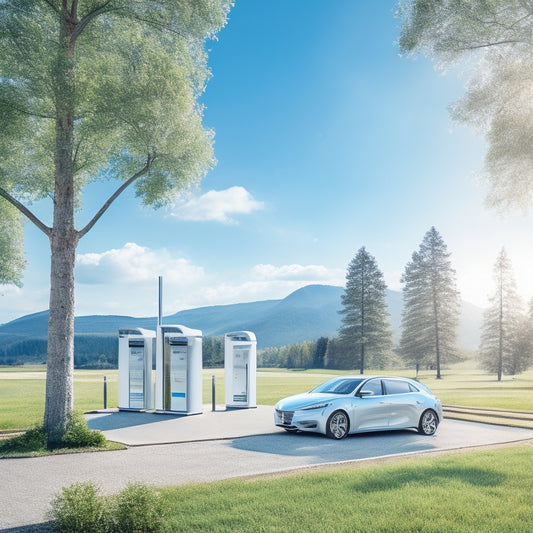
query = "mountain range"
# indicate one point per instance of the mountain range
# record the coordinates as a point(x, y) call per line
point(305, 314)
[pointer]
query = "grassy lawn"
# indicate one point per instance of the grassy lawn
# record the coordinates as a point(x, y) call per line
point(22, 389)
point(22, 393)
point(469, 492)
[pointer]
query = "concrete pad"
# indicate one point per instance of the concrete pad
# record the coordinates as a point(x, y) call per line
point(145, 428)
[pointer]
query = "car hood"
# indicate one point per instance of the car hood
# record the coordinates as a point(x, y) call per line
point(292, 403)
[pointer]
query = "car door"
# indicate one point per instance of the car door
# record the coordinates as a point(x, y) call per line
point(371, 411)
point(403, 403)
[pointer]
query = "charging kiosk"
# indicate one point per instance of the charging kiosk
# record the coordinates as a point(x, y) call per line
point(178, 370)
point(240, 367)
point(135, 352)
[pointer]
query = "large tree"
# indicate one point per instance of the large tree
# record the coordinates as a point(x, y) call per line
point(430, 305)
point(504, 340)
point(365, 332)
point(497, 38)
point(95, 90)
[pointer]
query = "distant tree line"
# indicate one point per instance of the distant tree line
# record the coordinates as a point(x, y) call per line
point(90, 351)
point(308, 354)
point(95, 351)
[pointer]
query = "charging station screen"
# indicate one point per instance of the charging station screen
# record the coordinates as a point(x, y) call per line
point(178, 378)
point(240, 373)
point(136, 377)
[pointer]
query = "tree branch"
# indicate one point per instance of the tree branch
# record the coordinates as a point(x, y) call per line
point(102, 8)
point(116, 194)
point(25, 211)
point(488, 45)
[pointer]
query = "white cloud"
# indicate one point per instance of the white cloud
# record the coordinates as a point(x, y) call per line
point(16, 302)
point(316, 273)
point(216, 206)
point(134, 264)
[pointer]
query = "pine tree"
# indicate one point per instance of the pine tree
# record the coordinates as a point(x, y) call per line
point(431, 305)
point(503, 339)
point(365, 333)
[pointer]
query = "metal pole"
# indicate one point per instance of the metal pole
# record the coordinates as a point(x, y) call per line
point(105, 392)
point(160, 316)
point(213, 393)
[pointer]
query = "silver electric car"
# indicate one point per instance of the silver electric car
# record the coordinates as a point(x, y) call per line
point(354, 404)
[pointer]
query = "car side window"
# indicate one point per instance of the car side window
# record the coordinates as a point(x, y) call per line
point(396, 386)
point(373, 386)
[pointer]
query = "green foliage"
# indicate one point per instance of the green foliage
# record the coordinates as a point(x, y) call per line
point(81, 507)
point(431, 305)
point(32, 440)
point(139, 67)
point(78, 435)
point(365, 337)
point(496, 37)
point(213, 352)
point(12, 262)
point(506, 341)
point(307, 354)
point(138, 509)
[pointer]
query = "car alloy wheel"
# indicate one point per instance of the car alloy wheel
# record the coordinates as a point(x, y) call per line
point(428, 423)
point(337, 425)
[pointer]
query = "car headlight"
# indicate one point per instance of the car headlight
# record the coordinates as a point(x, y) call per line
point(314, 406)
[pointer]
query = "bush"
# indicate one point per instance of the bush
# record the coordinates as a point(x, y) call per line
point(138, 509)
point(81, 507)
point(32, 440)
point(78, 435)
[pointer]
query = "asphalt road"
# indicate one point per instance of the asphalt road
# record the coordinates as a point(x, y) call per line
point(27, 485)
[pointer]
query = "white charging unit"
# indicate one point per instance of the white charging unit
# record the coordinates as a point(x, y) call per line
point(135, 352)
point(178, 370)
point(240, 368)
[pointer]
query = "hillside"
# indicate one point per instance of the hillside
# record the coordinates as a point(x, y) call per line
point(306, 314)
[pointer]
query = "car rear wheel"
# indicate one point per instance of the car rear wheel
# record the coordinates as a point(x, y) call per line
point(337, 425)
point(428, 423)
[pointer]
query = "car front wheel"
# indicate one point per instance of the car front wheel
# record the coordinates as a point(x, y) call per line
point(337, 425)
point(428, 423)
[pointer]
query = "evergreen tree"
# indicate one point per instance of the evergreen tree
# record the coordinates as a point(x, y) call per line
point(365, 332)
point(503, 339)
point(431, 305)
point(320, 352)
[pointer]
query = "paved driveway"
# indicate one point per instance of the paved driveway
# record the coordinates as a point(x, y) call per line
point(27, 485)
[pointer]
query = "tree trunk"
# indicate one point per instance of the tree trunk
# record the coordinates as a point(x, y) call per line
point(60, 357)
point(63, 242)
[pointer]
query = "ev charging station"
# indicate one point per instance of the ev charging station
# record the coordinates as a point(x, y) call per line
point(135, 349)
point(178, 370)
point(240, 368)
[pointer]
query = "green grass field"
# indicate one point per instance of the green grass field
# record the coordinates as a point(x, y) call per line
point(489, 491)
point(22, 389)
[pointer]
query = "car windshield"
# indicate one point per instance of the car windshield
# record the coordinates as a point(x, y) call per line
point(339, 385)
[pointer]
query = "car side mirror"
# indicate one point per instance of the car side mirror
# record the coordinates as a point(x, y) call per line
point(365, 393)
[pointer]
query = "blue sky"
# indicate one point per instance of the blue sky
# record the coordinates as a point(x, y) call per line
point(327, 140)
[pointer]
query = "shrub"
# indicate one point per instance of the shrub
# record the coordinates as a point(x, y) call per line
point(138, 509)
point(79, 508)
point(32, 440)
point(78, 435)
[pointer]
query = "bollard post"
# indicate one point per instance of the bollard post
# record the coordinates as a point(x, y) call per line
point(213, 394)
point(105, 392)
